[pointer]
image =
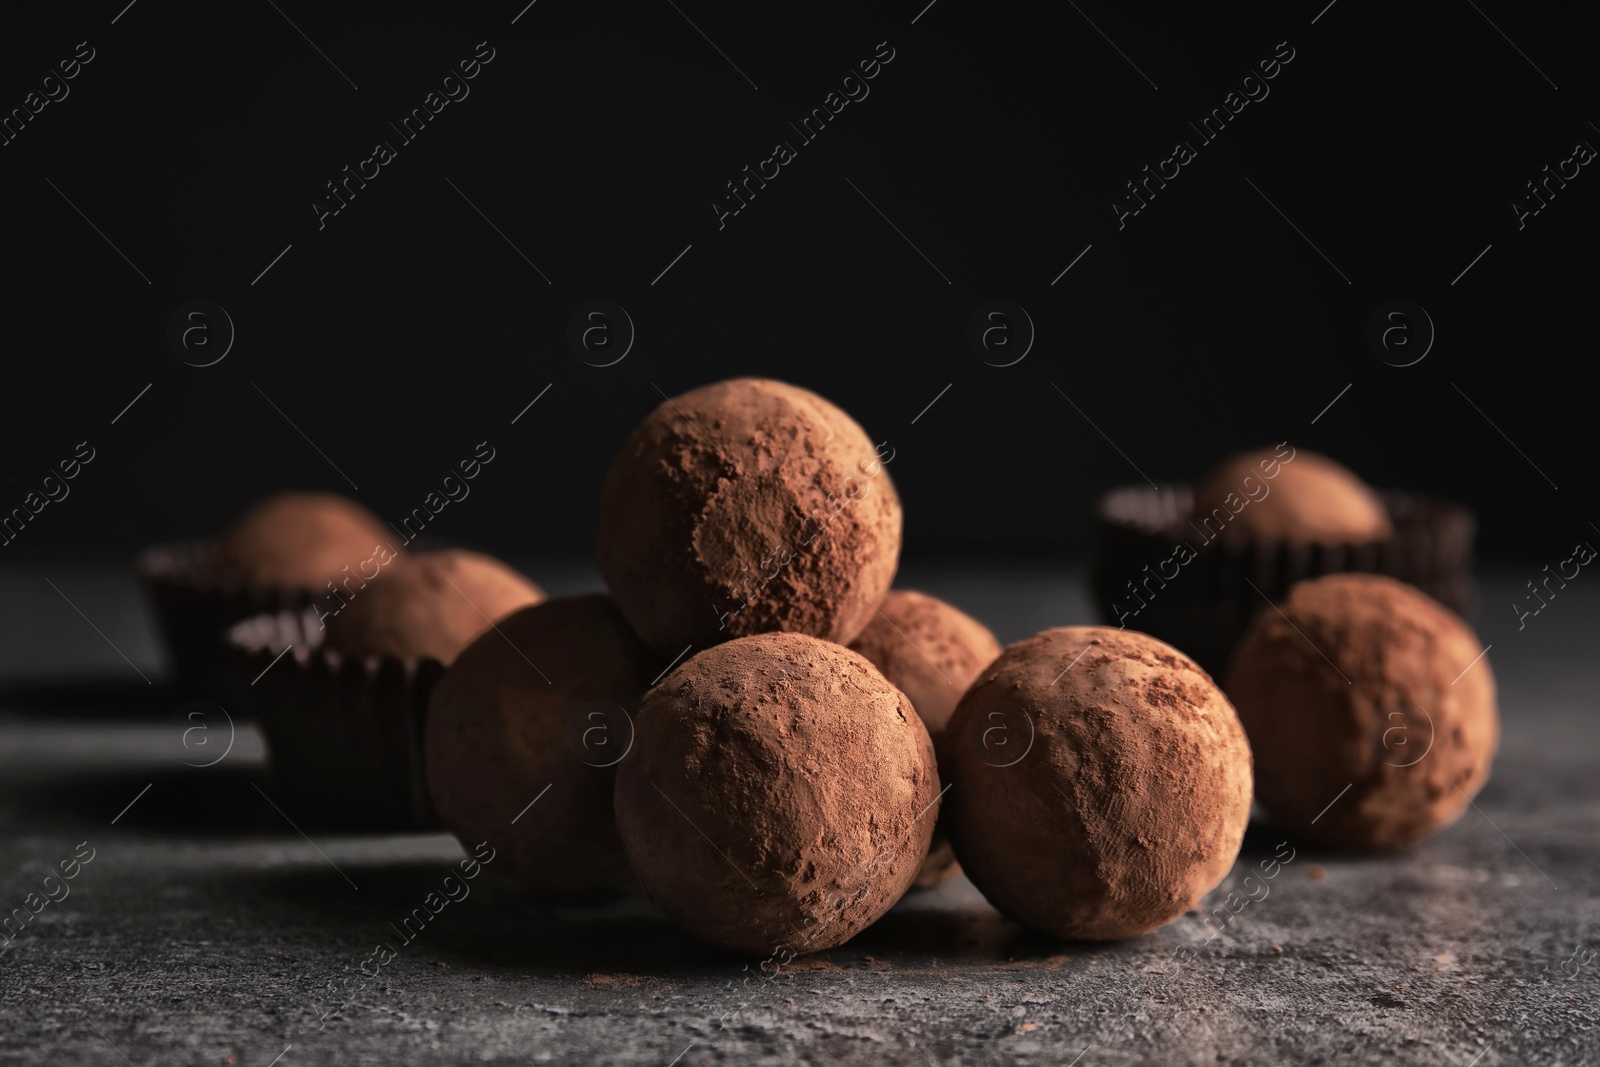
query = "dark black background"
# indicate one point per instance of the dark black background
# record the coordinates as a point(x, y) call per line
point(408, 330)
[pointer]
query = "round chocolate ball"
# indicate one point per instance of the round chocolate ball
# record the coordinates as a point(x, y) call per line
point(1363, 682)
point(1100, 783)
point(1288, 495)
point(301, 541)
point(744, 507)
point(779, 797)
point(540, 713)
point(930, 651)
point(429, 604)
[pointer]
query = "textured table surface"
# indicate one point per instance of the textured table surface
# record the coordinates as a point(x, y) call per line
point(207, 930)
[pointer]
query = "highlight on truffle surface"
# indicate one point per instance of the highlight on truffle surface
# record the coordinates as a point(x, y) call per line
point(1371, 710)
point(748, 506)
point(1099, 783)
point(780, 795)
point(524, 735)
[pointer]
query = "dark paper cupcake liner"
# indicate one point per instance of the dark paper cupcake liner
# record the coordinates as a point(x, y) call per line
point(344, 733)
point(195, 602)
point(1205, 607)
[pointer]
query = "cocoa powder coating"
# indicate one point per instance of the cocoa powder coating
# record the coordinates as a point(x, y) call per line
point(1100, 782)
point(930, 651)
point(743, 507)
point(1308, 498)
point(428, 604)
point(780, 795)
point(300, 540)
point(500, 735)
point(1388, 712)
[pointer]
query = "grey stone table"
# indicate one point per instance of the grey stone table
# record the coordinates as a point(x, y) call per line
point(201, 928)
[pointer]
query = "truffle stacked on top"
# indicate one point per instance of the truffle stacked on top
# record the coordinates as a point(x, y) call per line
point(744, 507)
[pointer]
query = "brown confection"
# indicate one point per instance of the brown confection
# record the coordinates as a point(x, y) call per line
point(1364, 682)
point(427, 605)
point(744, 507)
point(301, 540)
point(929, 649)
point(1100, 782)
point(1288, 495)
point(779, 797)
point(499, 735)
point(931, 652)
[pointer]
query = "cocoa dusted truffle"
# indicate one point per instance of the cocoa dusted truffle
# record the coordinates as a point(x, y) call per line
point(1285, 494)
point(779, 797)
point(743, 507)
point(430, 604)
point(542, 710)
point(931, 652)
point(300, 540)
point(1364, 682)
point(1099, 783)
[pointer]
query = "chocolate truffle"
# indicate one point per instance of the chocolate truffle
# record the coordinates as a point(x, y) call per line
point(931, 652)
point(779, 797)
point(744, 507)
point(429, 604)
point(1286, 494)
point(1100, 782)
point(1363, 682)
point(501, 734)
point(301, 540)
